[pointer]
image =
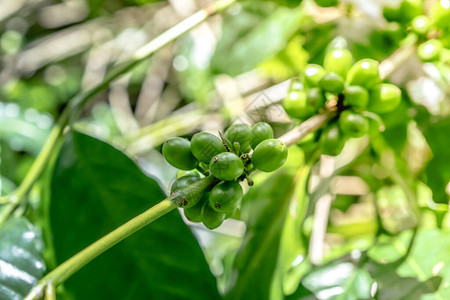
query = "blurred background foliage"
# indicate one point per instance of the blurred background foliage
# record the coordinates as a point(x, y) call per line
point(290, 241)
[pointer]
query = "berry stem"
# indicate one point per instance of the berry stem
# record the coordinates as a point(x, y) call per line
point(77, 103)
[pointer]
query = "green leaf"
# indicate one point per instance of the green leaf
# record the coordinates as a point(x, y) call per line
point(292, 259)
point(252, 36)
point(422, 274)
point(342, 280)
point(21, 265)
point(97, 188)
point(264, 210)
point(438, 168)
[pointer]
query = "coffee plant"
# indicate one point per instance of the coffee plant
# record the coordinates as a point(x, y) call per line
point(285, 149)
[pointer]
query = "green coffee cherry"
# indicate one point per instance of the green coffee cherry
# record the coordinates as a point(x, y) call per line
point(430, 50)
point(183, 182)
point(364, 73)
point(326, 3)
point(338, 61)
point(332, 140)
point(211, 218)
point(260, 131)
point(440, 14)
point(420, 25)
point(356, 96)
point(226, 166)
point(225, 196)
point(205, 145)
point(241, 134)
point(269, 155)
point(177, 151)
point(315, 99)
point(384, 98)
point(353, 124)
point(332, 82)
point(313, 73)
point(296, 105)
point(194, 213)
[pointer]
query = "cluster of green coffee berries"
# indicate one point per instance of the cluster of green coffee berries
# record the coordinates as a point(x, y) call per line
point(432, 30)
point(356, 89)
point(230, 159)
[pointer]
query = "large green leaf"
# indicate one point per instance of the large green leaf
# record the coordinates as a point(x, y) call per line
point(95, 189)
point(264, 208)
point(252, 36)
point(422, 275)
point(21, 265)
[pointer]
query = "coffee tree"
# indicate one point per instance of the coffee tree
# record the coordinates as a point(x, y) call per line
point(253, 150)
